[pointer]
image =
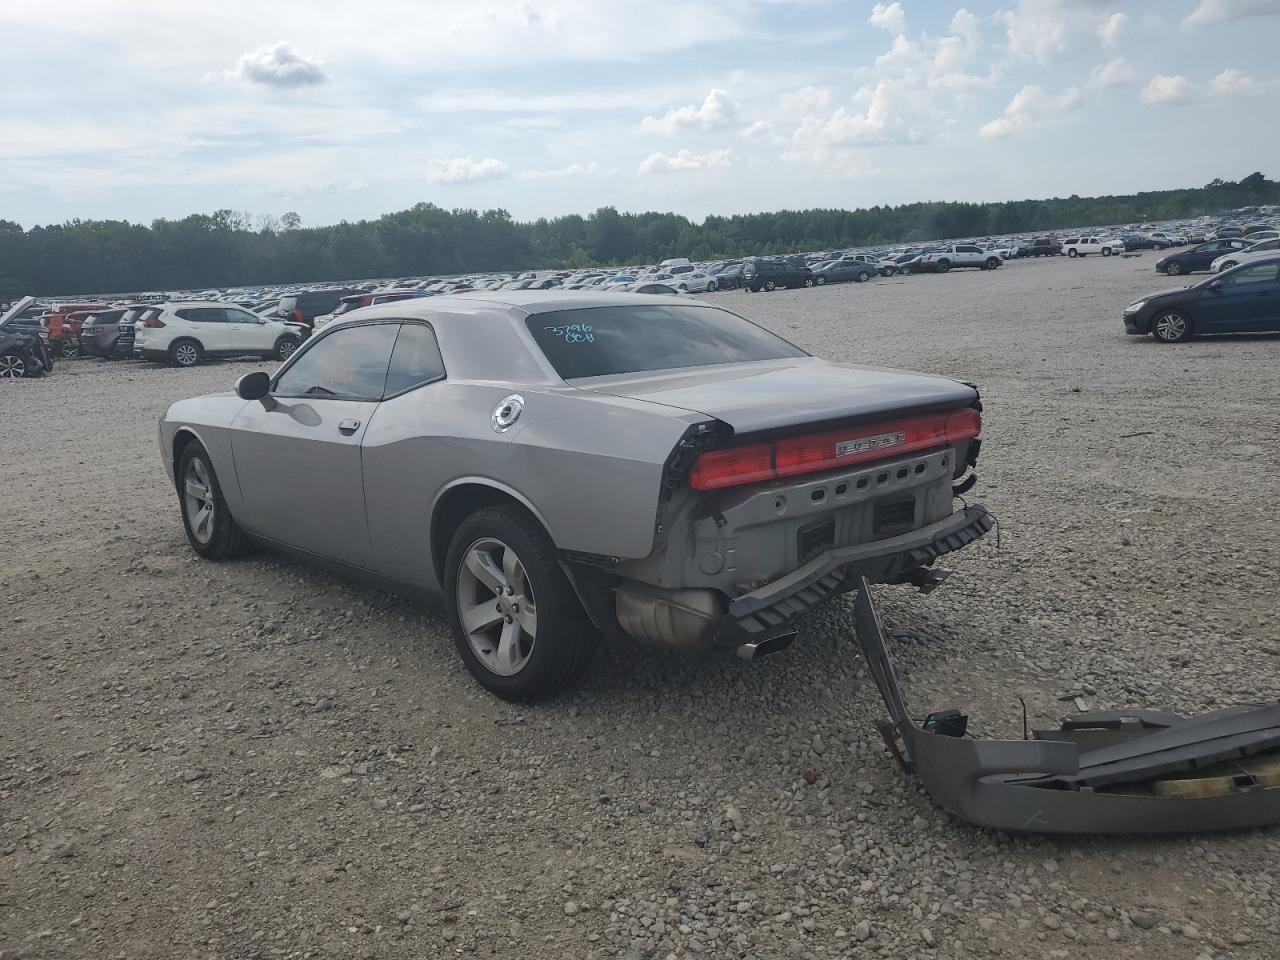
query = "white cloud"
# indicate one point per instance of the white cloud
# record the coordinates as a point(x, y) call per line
point(278, 65)
point(561, 173)
point(464, 170)
point(685, 160)
point(1163, 88)
point(1029, 108)
point(889, 16)
point(1217, 11)
point(1233, 83)
point(1041, 31)
point(1113, 73)
point(1109, 30)
point(758, 130)
point(718, 111)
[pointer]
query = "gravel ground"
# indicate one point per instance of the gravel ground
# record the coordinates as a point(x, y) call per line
point(254, 759)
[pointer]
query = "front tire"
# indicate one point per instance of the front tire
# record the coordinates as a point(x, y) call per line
point(1106, 251)
point(1173, 269)
point(1072, 252)
point(808, 282)
point(185, 353)
point(1171, 326)
point(210, 529)
point(1227, 266)
point(285, 348)
point(862, 277)
point(515, 619)
point(12, 366)
point(992, 263)
point(820, 281)
point(712, 287)
point(770, 286)
point(69, 349)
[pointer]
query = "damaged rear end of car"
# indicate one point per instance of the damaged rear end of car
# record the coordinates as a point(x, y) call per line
point(803, 477)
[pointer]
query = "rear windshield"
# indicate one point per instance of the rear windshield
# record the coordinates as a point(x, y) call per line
point(598, 341)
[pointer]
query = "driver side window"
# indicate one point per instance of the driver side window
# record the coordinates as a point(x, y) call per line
point(1258, 273)
point(348, 364)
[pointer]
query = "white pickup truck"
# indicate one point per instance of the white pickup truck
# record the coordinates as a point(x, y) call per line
point(942, 259)
point(1083, 246)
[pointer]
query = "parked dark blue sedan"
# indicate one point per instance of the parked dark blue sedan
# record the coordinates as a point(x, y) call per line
point(1245, 299)
point(1198, 257)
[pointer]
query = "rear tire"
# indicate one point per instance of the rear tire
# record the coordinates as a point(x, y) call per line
point(820, 280)
point(69, 349)
point(943, 266)
point(712, 287)
point(209, 526)
point(862, 277)
point(1072, 252)
point(770, 286)
point(540, 642)
point(808, 282)
point(1106, 251)
point(185, 353)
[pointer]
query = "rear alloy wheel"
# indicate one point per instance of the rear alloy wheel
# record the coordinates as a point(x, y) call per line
point(1173, 269)
point(210, 529)
point(770, 286)
point(711, 286)
point(285, 347)
point(943, 266)
point(820, 280)
point(890, 271)
point(808, 281)
point(12, 366)
point(69, 349)
point(862, 277)
point(516, 620)
point(1171, 326)
point(184, 353)
point(1072, 252)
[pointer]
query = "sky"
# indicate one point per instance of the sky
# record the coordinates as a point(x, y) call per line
point(137, 109)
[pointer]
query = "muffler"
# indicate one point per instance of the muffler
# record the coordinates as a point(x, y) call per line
point(766, 647)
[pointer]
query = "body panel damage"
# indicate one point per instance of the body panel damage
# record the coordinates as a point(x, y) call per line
point(1131, 771)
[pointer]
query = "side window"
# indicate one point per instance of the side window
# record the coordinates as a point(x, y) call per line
point(236, 315)
point(415, 360)
point(1258, 273)
point(967, 249)
point(202, 314)
point(348, 364)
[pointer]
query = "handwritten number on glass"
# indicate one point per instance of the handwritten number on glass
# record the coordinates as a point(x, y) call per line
point(573, 332)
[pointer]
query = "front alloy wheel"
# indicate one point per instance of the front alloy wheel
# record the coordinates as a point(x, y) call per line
point(1173, 269)
point(12, 367)
point(211, 530)
point(1171, 326)
point(69, 349)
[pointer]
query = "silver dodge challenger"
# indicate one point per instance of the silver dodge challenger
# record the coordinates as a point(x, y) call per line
point(563, 467)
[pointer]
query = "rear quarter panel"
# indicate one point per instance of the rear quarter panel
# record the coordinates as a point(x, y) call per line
point(589, 467)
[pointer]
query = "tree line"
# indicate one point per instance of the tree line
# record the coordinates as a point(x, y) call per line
point(226, 248)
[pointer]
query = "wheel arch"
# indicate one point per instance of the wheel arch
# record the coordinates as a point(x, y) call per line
point(182, 438)
point(462, 497)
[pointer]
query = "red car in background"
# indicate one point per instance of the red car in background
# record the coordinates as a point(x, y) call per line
point(64, 322)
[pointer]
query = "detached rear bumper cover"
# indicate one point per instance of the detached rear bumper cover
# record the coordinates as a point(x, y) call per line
point(764, 611)
point(1156, 773)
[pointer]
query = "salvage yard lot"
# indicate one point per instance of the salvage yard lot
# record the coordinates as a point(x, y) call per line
point(257, 759)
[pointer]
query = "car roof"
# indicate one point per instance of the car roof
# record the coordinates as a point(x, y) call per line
point(511, 303)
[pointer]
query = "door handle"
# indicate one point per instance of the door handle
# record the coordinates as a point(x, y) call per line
point(348, 427)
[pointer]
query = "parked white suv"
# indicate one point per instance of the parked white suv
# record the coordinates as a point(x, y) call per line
point(185, 332)
point(1083, 246)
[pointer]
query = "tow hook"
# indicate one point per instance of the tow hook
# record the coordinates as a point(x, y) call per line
point(924, 579)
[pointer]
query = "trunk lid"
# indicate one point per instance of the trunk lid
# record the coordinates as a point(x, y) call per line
point(773, 394)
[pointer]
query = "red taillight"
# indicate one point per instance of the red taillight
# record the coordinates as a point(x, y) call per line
point(153, 322)
point(792, 456)
point(297, 315)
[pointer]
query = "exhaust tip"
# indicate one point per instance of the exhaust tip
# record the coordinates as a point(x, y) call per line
point(764, 648)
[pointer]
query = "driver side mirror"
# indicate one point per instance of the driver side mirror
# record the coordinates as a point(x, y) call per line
point(255, 386)
point(1215, 286)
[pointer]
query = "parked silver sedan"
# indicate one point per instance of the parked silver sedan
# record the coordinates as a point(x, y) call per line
point(562, 466)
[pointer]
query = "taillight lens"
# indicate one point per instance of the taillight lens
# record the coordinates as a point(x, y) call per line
point(297, 315)
point(153, 322)
point(793, 456)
